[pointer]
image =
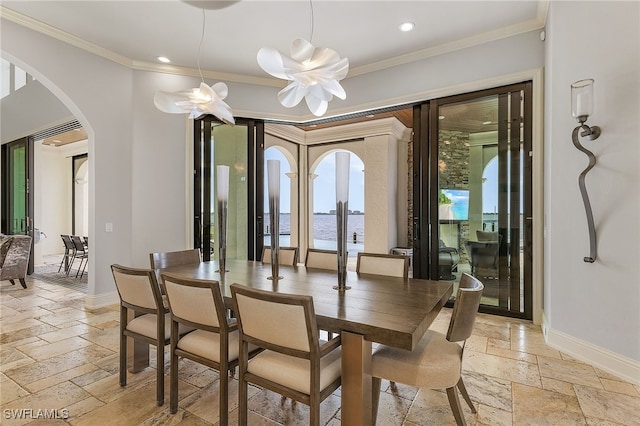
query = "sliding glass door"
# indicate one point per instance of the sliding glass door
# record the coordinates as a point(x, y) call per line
point(476, 196)
point(238, 147)
point(17, 190)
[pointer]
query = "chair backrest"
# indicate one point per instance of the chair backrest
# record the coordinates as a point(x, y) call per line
point(161, 260)
point(68, 244)
point(276, 321)
point(195, 302)
point(288, 255)
point(488, 236)
point(17, 251)
point(322, 259)
point(138, 288)
point(465, 308)
point(393, 265)
point(77, 243)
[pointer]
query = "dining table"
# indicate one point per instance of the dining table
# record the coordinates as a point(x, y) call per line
point(376, 309)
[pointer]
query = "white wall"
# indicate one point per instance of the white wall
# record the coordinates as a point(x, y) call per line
point(99, 94)
point(52, 199)
point(45, 109)
point(590, 308)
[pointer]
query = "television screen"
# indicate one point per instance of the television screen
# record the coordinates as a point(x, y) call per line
point(454, 204)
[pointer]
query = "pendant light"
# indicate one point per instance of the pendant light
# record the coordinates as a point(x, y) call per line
point(197, 101)
point(313, 73)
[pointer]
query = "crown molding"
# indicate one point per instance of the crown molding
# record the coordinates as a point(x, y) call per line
point(63, 36)
point(497, 34)
point(500, 33)
point(384, 126)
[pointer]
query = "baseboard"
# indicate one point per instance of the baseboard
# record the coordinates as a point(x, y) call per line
point(620, 366)
point(101, 300)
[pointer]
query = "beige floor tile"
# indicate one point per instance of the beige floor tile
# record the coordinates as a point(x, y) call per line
point(609, 406)
point(509, 371)
point(503, 368)
point(488, 391)
point(620, 387)
point(508, 353)
point(432, 407)
point(10, 390)
point(131, 408)
point(60, 377)
point(65, 333)
point(558, 386)
point(533, 406)
point(568, 371)
point(42, 352)
point(491, 416)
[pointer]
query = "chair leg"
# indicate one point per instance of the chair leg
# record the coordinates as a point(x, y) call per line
point(465, 395)
point(12, 282)
point(173, 382)
point(224, 395)
point(242, 399)
point(123, 347)
point(454, 402)
point(376, 383)
point(160, 373)
point(23, 283)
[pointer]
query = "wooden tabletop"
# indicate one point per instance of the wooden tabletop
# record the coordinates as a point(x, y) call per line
point(393, 311)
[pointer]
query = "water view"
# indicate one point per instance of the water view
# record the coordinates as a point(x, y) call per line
point(324, 232)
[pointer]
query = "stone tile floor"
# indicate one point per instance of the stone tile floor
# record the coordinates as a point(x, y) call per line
point(58, 359)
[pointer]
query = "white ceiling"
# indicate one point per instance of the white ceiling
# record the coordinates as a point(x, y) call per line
point(366, 32)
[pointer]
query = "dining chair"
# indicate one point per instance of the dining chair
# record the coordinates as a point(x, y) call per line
point(322, 259)
point(214, 342)
point(436, 362)
point(167, 259)
point(81, 252)
point(142, 317)
point(69, 252)
point(294, 363)
point(393, 265)
point(288, 255)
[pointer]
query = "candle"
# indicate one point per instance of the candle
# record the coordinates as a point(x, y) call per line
point(342, 177)
point(222, 178)
point(273, 177)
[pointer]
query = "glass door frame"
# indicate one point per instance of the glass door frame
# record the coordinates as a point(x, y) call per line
point(7, 193)
point(202, 185)
point(425, 220)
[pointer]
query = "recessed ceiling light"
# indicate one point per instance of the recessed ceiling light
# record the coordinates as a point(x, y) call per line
point(163, 59)
point(441, 117)
point(370, 116)
point(407, 26)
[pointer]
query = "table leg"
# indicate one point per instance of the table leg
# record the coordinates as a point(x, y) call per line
point(137, 353)
point(356, 380)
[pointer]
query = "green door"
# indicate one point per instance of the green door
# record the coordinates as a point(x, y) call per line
point(17, 192)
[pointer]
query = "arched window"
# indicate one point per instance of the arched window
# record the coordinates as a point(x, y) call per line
point(322, 224)
point(286, 206)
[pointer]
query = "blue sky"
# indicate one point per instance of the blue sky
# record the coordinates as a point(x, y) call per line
point(324, 194)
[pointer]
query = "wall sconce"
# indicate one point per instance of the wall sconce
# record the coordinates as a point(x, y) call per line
point(581, 108)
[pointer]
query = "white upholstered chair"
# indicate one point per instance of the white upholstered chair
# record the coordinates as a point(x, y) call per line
point(288, 255)
point(322, 259)
point(436, 362)
point(214, 342)
point(142, 317)
point(393, 265)
point(294, 363)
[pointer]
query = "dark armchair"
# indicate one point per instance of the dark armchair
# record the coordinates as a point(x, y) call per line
point(448, 258)
point(14, 258)
point(483, 254)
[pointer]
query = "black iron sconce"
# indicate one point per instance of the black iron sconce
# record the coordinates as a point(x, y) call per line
point(581, 108)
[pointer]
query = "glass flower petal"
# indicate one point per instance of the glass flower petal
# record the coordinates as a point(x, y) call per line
point(314, 74)
point(196, 102)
